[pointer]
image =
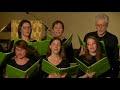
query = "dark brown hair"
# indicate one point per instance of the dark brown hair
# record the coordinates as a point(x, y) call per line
point(98, 50)
point(61, 53)
point(21, 44)
point(20, 26)
point(56, 22)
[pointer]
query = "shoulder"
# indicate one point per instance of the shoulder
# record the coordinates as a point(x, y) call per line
point(32, 40)
point(82, 56)
point(10, 55)
point(1, 48)
point(64, 63)
point(91, 33)
point(64, 39)
point(43, 58)
point(112, 36)
point(11, 61)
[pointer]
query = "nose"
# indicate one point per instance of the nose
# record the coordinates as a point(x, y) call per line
point(56, 46)
point(91, 45)
point(57, 30)
point(27, 28)
point(100, 26)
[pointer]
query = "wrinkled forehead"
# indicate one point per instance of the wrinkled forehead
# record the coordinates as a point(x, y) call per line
point(26, 24)
point(101, 21)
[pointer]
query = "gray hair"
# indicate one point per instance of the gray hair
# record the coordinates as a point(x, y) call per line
point(102, 16)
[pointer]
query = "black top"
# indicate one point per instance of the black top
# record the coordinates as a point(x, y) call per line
point(87, 62)
point(9, 60)
point(112, 50)
point(63, 64)
point(12, 62)
point(68, 51)
point(1, 48)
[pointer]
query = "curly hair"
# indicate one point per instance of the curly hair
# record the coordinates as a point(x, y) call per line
point(99, 54)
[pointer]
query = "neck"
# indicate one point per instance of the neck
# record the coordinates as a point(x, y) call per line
point(62, 37)
point(93, 53)
point(21, 61)
point(25, 38)
point(54, 59)
point(101, 35)
point(55, 55)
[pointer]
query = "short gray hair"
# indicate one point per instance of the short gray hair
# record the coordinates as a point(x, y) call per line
point(102, 16)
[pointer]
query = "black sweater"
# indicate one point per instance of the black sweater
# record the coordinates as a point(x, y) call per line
point(69, 51)
point(9, 60)
point(87, 62)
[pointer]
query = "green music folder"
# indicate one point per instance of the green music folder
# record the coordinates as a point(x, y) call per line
point(42, 46)
point(99, 67)
point(49, 37)
point(28, 42)
point(68, 41)
point(13, 72)
point(50, 68)
point(103, 49)
point(2, 57)
point(82, 43)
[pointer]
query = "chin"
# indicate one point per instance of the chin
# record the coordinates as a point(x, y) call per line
point(20, 57)
point(27, 34)
point(92, 51)
point(56, 52)
point(102, 32)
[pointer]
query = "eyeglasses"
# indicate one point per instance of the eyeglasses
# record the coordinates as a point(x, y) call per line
point(100, 25)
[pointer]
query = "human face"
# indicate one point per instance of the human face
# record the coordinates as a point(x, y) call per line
point(57, 30)
point(20, 52)
point(91, 45)
point(101, 27)
point(55, 46)
point(26, 29)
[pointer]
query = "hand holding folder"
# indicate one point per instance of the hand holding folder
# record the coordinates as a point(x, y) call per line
point(99, 67)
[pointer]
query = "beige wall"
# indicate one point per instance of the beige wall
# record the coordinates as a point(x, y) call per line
point(75, 22)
